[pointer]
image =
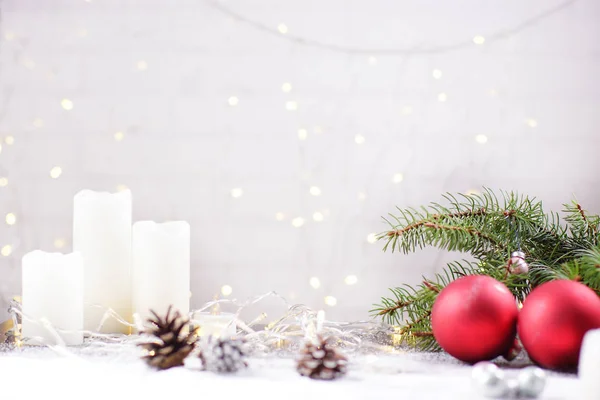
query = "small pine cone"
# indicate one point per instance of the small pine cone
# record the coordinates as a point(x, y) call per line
point(170, 345)
point(224, 355)
point(321, 361)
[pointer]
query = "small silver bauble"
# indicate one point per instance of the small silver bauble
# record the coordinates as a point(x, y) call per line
point(518, 265)
point(532, 381)
point(489, 379)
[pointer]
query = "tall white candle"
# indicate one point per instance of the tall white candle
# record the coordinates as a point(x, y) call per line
point(161, 267)
point(52, 290)
point(102, 233)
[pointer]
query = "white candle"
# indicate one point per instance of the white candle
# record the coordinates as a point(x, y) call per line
point(161, 267)
point(102, 233)
point(219, 325)
point(589, 365)
point(52, 290)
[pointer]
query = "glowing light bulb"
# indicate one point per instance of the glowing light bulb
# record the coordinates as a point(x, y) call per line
point(141, 65)
point(330, 301)
point(437, 74)
point(372, 238)
point(314, 282)
point(233, 101)
point(442, 97)
point(532, 123)
point(398, 177)
point(6, 250)
point(372, 60)
point(286, 87)
point(11, 219)
point(298, 222)
point(66, 104)
point(315, 191)
point(493, 92)
point(481, 139)
point(282, 28)
point(9, 140)
point(237, 192)
point(479, 39)
point(59, 243)
point(119, 136)
point(351, 280)
point(38, 122)
point(318, 217)
point(359, 139)
point(280, 216)
point(226, 290)
point(3, 181)
point(291, 105)
point(55, 172)
point(302, 134)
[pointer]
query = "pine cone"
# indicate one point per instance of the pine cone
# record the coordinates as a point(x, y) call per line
point(171, 346)
point(224, 355)
point(321, 361)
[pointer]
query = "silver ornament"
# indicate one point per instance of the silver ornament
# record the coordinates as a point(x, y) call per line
point(532, 381)
point(489, 379)
point(518, 265)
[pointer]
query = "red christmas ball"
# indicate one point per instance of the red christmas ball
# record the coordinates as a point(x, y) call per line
point(474, 318)
point(555, 317)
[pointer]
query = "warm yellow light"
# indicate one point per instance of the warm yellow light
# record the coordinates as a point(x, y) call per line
point(318, 217)
point(3, 181)
point(520, 305)
point(493, 92)
point(122, 188)
point(59, 243)
point(282, 28)
point(38, 122)
point(481, 139)
point(66, 104)
point(55, 172)
point(330, 301)
point(29, 64)
point(9, 140)
point(233, 101)
point(286, 87)
point(479, 39)
point(398, 177)
point(532, 123)
point(371, 238)
point(359, 139)
point(297, 222)
point(11, 219)
point(315, 191)
point(6, 250)
point(314, 282)
point(442, 97)
point(291, 105)
point(351, 280)
point(302, 134)
point(119, 136)
point(437, 74)
point(372, 60)
point(280, 216)
point(226, 290)
point(362, 196)
point(237, 192)
point(406, 110)
point(142, 65)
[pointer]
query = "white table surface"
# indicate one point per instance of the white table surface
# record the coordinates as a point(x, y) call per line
point(42, 374)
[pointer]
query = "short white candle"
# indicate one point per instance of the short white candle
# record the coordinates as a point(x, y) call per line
point(102, 233)
point(161, 267)
point(589, 365)
point(52, 290)
point(212, 324)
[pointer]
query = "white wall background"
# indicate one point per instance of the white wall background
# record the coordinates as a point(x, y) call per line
point(162, 72)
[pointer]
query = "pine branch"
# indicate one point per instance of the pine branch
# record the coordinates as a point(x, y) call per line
point(489, 229)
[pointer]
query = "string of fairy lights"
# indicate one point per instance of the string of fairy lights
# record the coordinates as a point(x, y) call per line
point(13, 41)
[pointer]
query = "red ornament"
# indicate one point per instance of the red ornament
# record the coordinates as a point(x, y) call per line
point(474, 318)
point(554, 319)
